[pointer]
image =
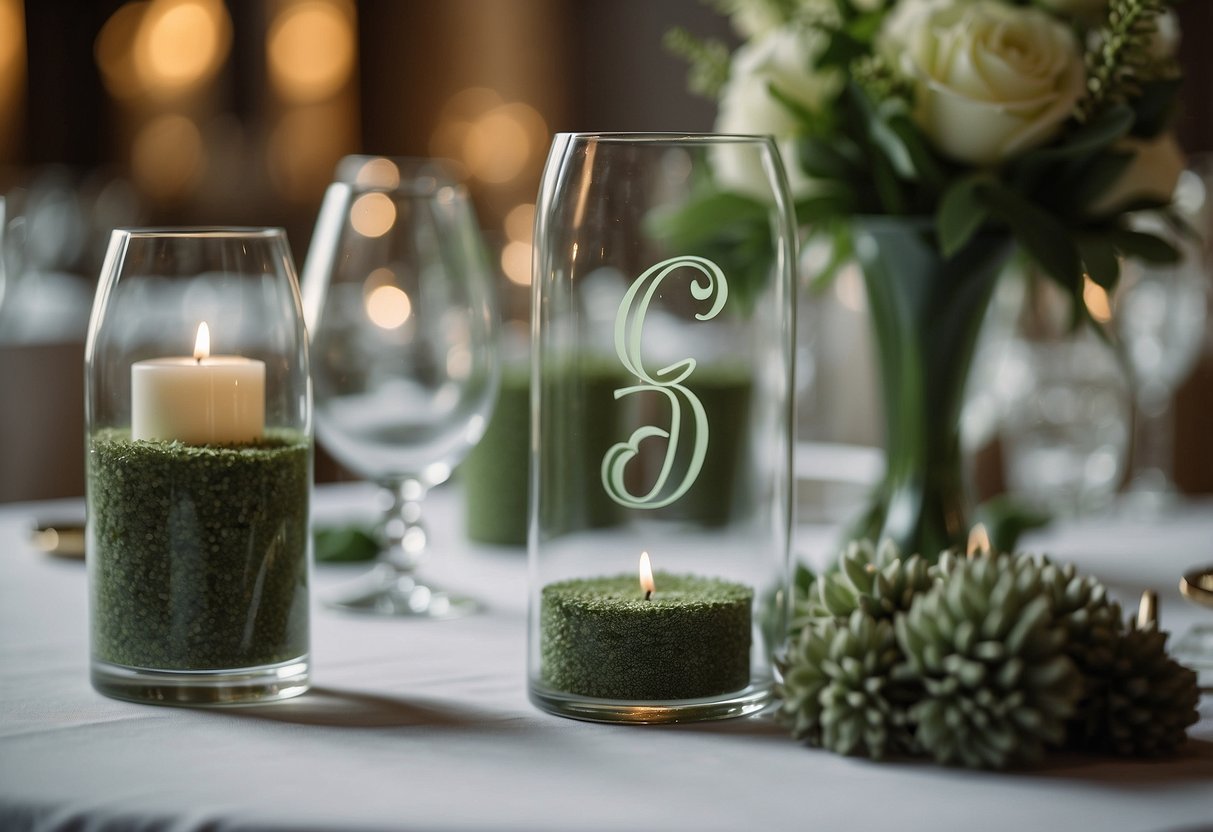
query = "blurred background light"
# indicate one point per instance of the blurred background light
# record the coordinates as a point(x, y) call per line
point(388, 307)
point(516, 262)
point(114, 50)
point(311, 50)
point(168, 157)
point(180, 43)
point(373, 215)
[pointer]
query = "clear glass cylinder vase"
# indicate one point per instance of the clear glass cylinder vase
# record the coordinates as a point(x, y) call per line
point(661, 426)
point(199, 468)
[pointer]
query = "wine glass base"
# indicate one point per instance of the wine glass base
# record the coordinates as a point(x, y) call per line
point(389, 593)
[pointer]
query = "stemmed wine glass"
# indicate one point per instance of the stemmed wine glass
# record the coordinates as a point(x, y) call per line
point(398, 301)
point(1160, 313)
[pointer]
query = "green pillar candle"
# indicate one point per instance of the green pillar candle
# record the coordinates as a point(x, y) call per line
point(600, 637)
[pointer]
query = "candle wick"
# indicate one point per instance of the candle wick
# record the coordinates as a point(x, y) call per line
point(648, 593)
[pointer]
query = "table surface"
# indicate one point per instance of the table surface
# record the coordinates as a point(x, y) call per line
point(426, 725)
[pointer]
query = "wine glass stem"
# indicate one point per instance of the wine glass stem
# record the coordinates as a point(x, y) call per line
point(1153, 446)
point(404, 534)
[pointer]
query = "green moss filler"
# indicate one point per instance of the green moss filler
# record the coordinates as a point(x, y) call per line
point(199, 553)
point(600, 638)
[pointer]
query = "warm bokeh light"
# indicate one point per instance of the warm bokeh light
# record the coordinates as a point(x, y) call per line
point(520, 223)
point(378, 173)
point(12, 37)
point(388, 307)
point(12, 74)
point(168, 157)
point(1096, 299)
point(373, 215)
point(496, 147)
point(516, 262)
point(181, 43)
point(496, 141)
point(114, 50)
point(306, 144)
point(502, 142)
point(310, 49)
point(456, 118)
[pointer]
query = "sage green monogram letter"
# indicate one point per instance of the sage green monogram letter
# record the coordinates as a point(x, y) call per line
point(629, 327)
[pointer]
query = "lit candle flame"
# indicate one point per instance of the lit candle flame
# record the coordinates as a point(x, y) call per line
point(202, 344)
point(979, 541)
point(646, 576)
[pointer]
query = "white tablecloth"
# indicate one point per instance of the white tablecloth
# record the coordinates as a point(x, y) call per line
point(426, 725)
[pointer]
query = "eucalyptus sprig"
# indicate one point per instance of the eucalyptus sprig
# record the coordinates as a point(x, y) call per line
point(708, 60)
point(1119, 58)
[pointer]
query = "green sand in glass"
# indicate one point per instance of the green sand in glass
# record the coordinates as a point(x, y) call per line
point(199, 553)
point(600, 638)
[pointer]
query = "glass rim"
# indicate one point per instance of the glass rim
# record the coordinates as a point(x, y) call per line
point(669, 137)
point(202, 232)
point(411, 175)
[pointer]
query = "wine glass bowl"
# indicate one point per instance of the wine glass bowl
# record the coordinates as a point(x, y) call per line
point(398, 300)
point(1160, 313)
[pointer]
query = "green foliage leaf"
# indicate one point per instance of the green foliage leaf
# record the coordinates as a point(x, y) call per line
point(1146, 246)
point(1045, 239)
point(1155, 107)
point(813, 122)
point(705, 217)
point(927, 166)
point(345, 544)
point(730, 229)
point(1042, 168)
point(1099, 259)
point(821, 159)
point(961, 212)
point(1090, 180)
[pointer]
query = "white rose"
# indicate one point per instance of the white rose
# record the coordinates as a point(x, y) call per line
point(902, 20)
point(991, 80)
point(782, 58)
point(1152, 175)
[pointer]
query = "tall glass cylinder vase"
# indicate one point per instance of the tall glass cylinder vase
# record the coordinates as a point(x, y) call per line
point(199, 462)
point(661, 426)
point(926, 313)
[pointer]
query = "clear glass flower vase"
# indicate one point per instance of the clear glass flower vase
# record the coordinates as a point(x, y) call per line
point(199, 469)
point(661, 427)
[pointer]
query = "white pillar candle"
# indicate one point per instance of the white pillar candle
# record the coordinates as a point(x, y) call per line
point(204, 400)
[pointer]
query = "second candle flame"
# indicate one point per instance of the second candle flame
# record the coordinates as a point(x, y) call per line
point(979, 541)
point(202, 344)
point(646, 576)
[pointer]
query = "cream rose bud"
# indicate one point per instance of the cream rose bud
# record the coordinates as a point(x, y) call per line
point(991, 80)
point(781, 58)
point(1152, 175)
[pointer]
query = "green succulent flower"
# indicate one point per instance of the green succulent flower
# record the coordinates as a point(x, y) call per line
point(876, 580)
point(997, 685)
point(1140, 702)
point(838, 692)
